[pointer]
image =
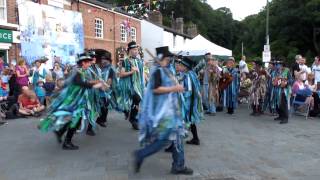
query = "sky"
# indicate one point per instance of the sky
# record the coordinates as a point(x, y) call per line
point(239, 8)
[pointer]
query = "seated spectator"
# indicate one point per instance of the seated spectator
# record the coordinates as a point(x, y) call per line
point(3, 91)
point(310, 82)
point(301, 91)
point(40, 91)
point(49, 87)
point(29, 103)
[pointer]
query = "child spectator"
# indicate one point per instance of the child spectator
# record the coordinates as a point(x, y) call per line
point(3, 91)
point(40, 91)
point(29, 103)
point(49, 87)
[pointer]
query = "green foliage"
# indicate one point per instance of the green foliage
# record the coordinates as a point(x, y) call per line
point(294, 26)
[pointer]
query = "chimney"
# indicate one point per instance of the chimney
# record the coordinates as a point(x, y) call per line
point(192, 30)
point(179, 25)
point(155, 17)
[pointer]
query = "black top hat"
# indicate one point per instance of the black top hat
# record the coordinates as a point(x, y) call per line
point(91, 53)
point(106, 57)
point(132, 45)
point(83, 57)
point(186, 61)
point(42, 59)
point(163, 52)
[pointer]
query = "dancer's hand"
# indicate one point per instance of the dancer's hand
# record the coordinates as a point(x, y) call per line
point(178, 88)
point(98, 85)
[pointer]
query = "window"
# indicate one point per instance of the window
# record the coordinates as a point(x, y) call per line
point(3, 10)
point(133, 34)
point(123, 33)
point(98, 28)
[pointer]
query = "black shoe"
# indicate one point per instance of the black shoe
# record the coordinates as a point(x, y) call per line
point(37, 114)
point(102, 124)
point(58, 136)
point(277, 119)
point(91, 133)
point(135, 126)
point(184, 171)
point(194, 142)
point(136, 163)
point(69, 146)
point(283, 122)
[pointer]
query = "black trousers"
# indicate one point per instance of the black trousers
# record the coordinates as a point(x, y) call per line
point(283, 108)
point(104, 111)
point(70, 131)
point(134, 108)
point(193, 129)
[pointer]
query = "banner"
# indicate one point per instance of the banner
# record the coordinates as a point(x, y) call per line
point(51, 32)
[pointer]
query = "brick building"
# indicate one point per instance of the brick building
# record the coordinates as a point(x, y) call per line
point(106, 29)
point(9, 30)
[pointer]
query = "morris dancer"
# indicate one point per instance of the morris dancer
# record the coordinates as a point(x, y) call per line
point(230, 94)
point(94, 72)
point(106, 96)
point(132, 84)
point(191, 104)
point(160, 120)
point(73, 106)
point(258, 89)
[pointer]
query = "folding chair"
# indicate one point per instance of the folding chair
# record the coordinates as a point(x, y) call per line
point(296, 106)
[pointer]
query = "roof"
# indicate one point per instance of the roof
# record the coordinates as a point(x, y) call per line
point(110, 7)
point(166, 28)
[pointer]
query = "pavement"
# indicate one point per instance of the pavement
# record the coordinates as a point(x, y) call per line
point(237, 147)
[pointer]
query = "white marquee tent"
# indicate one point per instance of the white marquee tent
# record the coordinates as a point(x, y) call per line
point(199, 46)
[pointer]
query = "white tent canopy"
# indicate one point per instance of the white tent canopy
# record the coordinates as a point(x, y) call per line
point(199, 46)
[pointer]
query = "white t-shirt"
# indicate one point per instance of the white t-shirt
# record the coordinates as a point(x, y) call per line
point(316, 71)
point(243, 67)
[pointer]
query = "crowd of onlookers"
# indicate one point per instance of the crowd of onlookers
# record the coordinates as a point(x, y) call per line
point(28, 90)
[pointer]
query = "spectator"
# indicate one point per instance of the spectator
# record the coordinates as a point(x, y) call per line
point(1, 64)
point(3, 91)
point(303, 70)
point(301, 92)
point(243, 67)
point(29, 103)
point(49, 87)
point(310, 82)
point(316, 69)
point(40, 91)
point(57, 72)
point(39, 73)
point(22, 73)
point(59, 85)
point(295, 66)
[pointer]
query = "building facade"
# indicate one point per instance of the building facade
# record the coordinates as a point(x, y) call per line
point(9, 30)
point(107, 29)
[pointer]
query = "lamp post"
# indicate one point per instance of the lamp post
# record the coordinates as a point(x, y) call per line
point(267, 25)
point(266, 54)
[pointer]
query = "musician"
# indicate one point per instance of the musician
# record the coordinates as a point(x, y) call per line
point(191, 105)
point(73, 106)
point(258, 88)
point(203, 76)
point(212, 72)
point(132, 83)
point(230, 94)
point(270, 75)
point(160, 119)
point(281, 93)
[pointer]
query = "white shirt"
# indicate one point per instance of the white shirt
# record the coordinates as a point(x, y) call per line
point(316, 71)
point(243, 67)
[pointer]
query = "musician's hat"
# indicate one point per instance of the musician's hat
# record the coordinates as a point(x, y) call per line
point(83, 57)
point(132, 45)
point(106, 56)
point(163, 52)
point(43, 59)
point(186, 61)
point(230, 59)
